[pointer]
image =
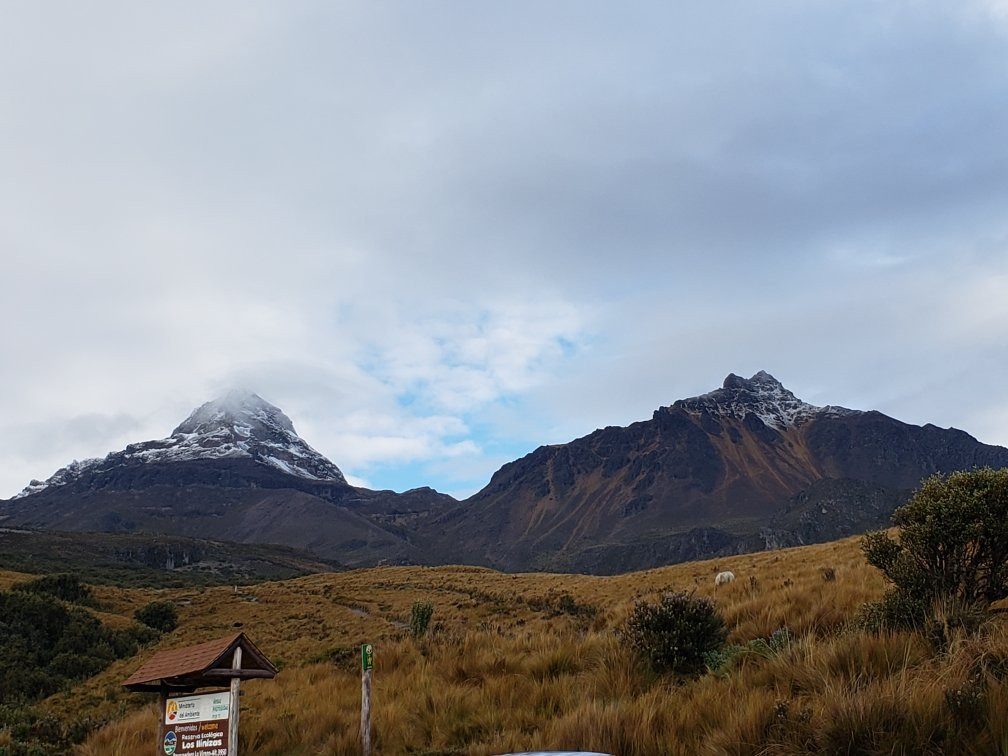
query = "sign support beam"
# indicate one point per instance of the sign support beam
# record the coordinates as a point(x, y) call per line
point(235, 704)
point(163, 702)
point(367, 662)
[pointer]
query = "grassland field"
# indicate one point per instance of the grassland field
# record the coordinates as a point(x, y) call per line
point(534, 661)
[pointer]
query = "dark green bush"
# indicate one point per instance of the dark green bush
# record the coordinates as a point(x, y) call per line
point(160, 615)
point(968, 703)
point(420, 617)
point(897, 610)
point(45, 644)
point(30, 732)
point(953, 546)
point(66, 587)
point(676, 634)
point(127, 641)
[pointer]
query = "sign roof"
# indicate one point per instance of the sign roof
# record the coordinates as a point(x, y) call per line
point(203, 665)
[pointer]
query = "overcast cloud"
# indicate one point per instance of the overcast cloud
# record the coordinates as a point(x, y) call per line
point(441, 234)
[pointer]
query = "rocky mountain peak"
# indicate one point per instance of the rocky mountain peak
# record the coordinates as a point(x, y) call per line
point(761, 395)
point(761, 381)
point(236, 425)
point(237, 408)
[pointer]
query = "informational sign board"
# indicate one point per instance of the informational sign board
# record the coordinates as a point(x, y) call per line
point(196, 725)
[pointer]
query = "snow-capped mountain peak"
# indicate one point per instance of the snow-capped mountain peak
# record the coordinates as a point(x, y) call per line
point(237, 408)
point(238, 424)
point(762, 395)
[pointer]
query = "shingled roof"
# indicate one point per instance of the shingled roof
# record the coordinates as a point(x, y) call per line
point(203, 665)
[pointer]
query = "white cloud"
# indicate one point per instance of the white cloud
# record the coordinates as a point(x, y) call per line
point(433, 233)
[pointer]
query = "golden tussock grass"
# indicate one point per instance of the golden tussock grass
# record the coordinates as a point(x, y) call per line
point(515, 662)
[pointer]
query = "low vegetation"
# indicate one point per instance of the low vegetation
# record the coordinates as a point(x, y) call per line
point(159, 615)
point(515, 662)
point(676, 634)
point(150, 560)
point(781, 661)
point(48, 642)
point(951, 554)
point(420, 617)
point(65, 587)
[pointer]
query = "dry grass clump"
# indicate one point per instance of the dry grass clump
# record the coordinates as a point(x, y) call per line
point(522, 662)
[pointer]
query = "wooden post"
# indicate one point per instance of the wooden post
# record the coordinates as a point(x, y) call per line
point(163, 704)
point(233, 718)
point(367, 661)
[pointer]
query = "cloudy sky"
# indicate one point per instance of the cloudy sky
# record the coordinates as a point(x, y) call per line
point(440, 234)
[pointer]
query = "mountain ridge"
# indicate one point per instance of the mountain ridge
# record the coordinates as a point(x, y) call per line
point(744, 467)
point(706, 476)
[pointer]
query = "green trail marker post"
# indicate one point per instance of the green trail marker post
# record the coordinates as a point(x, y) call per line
point(367, 657)
point(367, 663)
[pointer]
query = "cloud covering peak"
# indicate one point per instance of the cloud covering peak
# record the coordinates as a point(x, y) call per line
point(439, 235)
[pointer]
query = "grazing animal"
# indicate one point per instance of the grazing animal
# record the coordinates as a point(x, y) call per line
point(723, 577)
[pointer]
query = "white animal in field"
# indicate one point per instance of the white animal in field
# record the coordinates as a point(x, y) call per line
point(723, 577)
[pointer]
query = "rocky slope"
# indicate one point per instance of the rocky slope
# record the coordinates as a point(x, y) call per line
point(744, 467)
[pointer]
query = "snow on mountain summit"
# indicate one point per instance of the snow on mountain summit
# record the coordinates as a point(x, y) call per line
point(236, 408)
point(762, 395)
point(238, 424)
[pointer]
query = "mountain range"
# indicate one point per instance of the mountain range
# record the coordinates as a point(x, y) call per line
point(745, 467)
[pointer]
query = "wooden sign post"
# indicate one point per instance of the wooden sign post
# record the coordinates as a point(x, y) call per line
point(205, 724)
point(367, 663)
point(232, 748)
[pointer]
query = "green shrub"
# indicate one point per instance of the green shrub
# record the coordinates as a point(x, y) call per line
point(677, 633)
point(420, 617)
point(127, 641)
point(894, 611)
point(26, 731)
point(65, 587)
point(46, 644)
point(160, 615)
point(780, 639)
point(968, 703)
point(953, 540)
point(724, 657)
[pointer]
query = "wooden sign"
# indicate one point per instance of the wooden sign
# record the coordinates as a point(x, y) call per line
point(196, 725)
point(207, 724)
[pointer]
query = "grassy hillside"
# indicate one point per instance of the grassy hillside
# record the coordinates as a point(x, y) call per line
point(147, 559)
point(514, 662)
